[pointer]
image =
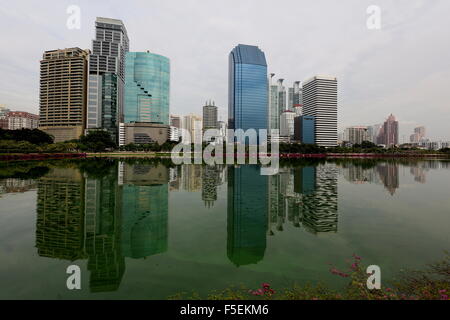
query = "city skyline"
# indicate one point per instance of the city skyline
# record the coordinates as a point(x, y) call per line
point(372, 83)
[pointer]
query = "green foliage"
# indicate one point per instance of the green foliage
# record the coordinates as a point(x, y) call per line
point(96, 141)
point(34, 136)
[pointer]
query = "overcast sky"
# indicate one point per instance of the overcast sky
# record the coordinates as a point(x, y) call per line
point(403, 69)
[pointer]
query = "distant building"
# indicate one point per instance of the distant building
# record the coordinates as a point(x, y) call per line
point(247, 89)
point(193, 125)
point(143, 133)
point(304, 129)
point(209, 116)
point(287, 124)
point(419, 135)
point(274, 110)
point(22, 120)
point(320, 102)
point(295, 97)
point(356, 135)
point(175, 121)
point(174, 134)
point(388, 135)
point(147, 88)
point(373, 132)
point(62, 96)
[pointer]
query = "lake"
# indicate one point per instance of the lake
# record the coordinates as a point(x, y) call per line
point(147, 229)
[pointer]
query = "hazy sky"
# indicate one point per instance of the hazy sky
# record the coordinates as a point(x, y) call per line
point(404, 68)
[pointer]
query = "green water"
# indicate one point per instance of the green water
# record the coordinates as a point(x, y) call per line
point(142, 229)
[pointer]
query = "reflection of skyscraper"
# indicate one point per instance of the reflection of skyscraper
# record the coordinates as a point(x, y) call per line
point(389, 176)
point(103, 220)
point(60, 216)
point(247, 215)
point(145, 220)
point(192, 177)
point(320, 209)
point(304, 180)
point(210, 181)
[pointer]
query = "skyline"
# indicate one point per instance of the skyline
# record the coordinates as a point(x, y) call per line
point(339, 44)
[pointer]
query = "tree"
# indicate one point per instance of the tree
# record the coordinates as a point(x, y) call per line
point(97, 141)
point(34, 136)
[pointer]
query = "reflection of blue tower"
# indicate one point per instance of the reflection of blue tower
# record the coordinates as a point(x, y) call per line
point(145, 220)
point(304, 180)
point(247, 215)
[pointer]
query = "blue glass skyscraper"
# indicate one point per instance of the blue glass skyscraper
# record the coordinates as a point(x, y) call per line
point(247, 89)
point(147, 88)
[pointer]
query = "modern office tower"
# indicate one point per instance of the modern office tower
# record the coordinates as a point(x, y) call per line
point(107, 76)
point(193, 125)
point(247, 89)
point(247, 215)
point(304, 129)
point(419, 135)
point(62, 93)
point(295, 98)
point(319, 209)
point(388, 135)
point(282, 96)
point(145, 210)
point(22, 120)
point(287, 124)
point(274, 110)
point(320, 102)
point(356, 134)
point(103, 219)
point(209, 116)
point(175, 121)
point(147, 88)
point(373, 132)
point(60, 215)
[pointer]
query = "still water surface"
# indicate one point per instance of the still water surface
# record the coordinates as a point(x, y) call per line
point(142, 229)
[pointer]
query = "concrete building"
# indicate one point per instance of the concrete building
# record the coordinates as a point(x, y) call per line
point(174, 134)
point(389, 132)
point(304, 129)
point(210, 116)
point(419, 135)
point(356, 134)
point(107, 76)
point(287, 124)
point(320, 102)
point(62, 96)
point(22, 120)
point(274, 110)
point(143, 133)
point(175, 121)
point(193, 125)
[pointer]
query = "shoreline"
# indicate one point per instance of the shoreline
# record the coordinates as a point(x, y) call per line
point(166, 155)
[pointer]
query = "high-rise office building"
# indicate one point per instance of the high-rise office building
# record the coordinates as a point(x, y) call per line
point(287, 124)
point(356, 134)
point(282, 96)
point(419, 135)
point(295, 97)
point(62, 94)
point(320, 102)
point(210, 116)
point(107, 76)
point(389, 132)
point(175, 121)
point(304, 129)
point(247, 89)
point(193, 125)
point(274, 110)
point(147, 88)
